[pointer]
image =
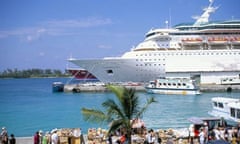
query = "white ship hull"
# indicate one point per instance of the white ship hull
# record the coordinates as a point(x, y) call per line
point(157, 63)
point(193, 60)
point(118, 70)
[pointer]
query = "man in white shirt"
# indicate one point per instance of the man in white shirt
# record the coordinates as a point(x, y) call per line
point(54, 137)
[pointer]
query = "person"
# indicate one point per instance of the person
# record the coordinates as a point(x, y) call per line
point(81, 137)
point(201, 136)
point(54, 137)
point(217, 133)
point(150, 137)
point(205, 130)
point(12, 139)
point(122, 139)
point(159, 140)
point(191, 133)
point(4, 136)
point(46, 138)
point(36, 138)
point(40, 136)
point(110, 139)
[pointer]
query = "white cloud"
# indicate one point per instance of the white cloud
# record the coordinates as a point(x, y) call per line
point(83, 23)
point(104, 46)
point(41, 54)
point(29, 34)
point(54, 28)
point(36, 34)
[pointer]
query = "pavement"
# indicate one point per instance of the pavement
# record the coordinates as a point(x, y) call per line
point(24, 140)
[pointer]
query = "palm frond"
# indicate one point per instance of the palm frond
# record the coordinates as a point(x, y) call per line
point(114, 125)
point(113, 108)
point(117, 90)
point(130, 102)
point(94, 115)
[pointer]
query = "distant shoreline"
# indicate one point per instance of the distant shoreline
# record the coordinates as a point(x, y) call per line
point(33, 73)
point(34, 77)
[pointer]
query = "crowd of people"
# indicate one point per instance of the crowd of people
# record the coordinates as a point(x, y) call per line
point(201, 135)
point(224, 133)
point(54, 137)
point(47, 138)
point(5, 139)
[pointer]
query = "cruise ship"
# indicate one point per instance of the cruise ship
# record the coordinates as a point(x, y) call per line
point(204, 50)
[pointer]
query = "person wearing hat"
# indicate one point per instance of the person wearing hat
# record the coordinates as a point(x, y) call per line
point(201, 136)
point(4, 136)
point(54, 137)
point(40, 136)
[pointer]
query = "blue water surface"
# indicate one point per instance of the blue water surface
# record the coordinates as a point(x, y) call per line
point(29, 105)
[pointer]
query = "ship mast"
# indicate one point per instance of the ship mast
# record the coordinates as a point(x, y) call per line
point(205, 16)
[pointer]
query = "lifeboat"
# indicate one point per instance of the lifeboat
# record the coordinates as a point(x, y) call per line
point(192, 41)
point(217, 40)
point(235, 40)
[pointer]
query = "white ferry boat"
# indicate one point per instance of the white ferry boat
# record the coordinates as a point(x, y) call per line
point(231, 81)
point(228, 108)
point(181, 86)
point(206, 50)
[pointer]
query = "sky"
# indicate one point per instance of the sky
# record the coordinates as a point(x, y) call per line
point(45, 33)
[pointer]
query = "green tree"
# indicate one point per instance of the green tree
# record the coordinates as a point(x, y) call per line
point(119, 112)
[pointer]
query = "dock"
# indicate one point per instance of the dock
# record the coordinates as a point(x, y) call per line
point(98, 87)
point(101, 87)
point(219, 88)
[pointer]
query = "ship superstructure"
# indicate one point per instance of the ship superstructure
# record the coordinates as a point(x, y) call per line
point(207, 50)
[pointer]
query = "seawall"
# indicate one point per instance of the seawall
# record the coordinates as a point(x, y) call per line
point(102, 88)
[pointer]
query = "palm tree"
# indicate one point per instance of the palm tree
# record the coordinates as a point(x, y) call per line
point(120, 112)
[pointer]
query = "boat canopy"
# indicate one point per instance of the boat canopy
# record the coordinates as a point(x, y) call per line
point(199, 121)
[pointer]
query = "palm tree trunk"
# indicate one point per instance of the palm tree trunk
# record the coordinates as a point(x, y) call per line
point(129, 135)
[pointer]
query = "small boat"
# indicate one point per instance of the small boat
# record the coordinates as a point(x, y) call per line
point(228, 108)
point(230, 81)
point(181, 86)
point(57, 87)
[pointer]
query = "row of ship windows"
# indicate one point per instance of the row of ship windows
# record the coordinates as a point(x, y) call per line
point(170, 84)
point(203, 53)
point(159, 45)
point(150, 64)
point(150, 60)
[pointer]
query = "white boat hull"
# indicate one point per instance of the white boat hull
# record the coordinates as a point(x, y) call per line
point(173, 91)
point(223, 115)
point(227, 108)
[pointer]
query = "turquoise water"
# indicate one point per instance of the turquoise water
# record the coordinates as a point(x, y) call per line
point(28, 105)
